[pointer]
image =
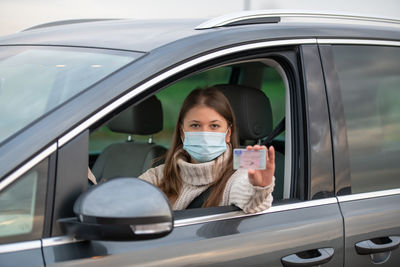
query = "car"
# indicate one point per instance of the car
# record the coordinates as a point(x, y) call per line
point(105, 94)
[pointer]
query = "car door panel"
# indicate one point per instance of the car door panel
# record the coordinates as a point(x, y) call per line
point(252, 240)
point(21, 254)
point(368, 219)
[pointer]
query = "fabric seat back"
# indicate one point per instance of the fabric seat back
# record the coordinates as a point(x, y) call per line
point(132, 158)
point(253, 115)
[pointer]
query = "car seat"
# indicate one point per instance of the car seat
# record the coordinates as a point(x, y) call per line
point(132, 158)
point(253, 114)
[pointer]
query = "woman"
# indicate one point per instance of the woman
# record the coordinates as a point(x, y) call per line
point(201, 156)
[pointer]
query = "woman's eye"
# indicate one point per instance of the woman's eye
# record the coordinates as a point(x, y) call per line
point(194, 125)
point(214, 126)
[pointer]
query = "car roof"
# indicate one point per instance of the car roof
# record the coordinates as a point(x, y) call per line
point(146, 35)
point(123, 34)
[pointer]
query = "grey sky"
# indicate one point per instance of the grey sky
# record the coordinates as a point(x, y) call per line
point(16, 15)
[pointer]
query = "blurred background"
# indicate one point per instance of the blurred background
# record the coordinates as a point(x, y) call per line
point(16, 15)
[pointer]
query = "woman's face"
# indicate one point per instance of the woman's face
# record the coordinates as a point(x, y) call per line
point(205, 119)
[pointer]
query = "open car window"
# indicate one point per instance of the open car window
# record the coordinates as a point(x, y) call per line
point(171, 99)
point(271, 80)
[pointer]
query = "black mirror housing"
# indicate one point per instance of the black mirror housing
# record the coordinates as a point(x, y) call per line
point(121, 209)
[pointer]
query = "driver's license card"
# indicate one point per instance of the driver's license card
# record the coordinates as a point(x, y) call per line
point(249, 159)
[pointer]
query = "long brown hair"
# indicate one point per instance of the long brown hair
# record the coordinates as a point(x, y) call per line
point(172, 183)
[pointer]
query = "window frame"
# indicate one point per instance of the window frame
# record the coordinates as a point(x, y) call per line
point(286, 57)
point(286, 52)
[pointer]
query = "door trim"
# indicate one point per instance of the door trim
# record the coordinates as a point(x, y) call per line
point(59, 240)
point(27, 166)
point(381, 193)
point(241, 214)
point(19, 246)
point(358, 41)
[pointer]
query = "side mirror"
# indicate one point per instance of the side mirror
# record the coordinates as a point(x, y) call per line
point(121, 209)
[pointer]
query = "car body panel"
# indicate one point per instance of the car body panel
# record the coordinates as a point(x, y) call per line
point(21, 254)
point(340, 152)
point(320, 146)
point(244, 240)
point(370, 218)
point(72, 162)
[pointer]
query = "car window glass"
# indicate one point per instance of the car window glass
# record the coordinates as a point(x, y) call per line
point(369, 78)
point(34, 80)
point(22, 206)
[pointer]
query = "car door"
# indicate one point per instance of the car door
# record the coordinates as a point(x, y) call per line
point(303, 229)
point(363, 80)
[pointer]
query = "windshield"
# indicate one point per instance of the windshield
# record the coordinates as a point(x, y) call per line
point(35, 80)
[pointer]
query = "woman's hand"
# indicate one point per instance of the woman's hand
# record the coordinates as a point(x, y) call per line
point(263, 177)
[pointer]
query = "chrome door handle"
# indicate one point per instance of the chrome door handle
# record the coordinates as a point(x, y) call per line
point(377, 245)
point(308, 258)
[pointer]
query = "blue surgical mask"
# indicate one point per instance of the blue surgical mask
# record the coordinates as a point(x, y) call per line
point(204, 146)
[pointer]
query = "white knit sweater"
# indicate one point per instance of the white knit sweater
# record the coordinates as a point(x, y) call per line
point(198, 177)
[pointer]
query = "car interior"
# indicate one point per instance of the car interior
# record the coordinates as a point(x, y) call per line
point(137, 138)
point(131, 159)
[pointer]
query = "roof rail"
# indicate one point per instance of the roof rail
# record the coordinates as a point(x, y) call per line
point(63, 22)
point(276, 15)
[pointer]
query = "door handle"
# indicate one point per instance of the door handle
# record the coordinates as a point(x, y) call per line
point(377, 245)
point(308, 258)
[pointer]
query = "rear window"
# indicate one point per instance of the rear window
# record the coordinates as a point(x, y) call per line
point(369, 79)
point(35, 80)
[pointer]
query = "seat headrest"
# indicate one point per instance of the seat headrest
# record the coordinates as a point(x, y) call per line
point(143, 119)
point(252, 110)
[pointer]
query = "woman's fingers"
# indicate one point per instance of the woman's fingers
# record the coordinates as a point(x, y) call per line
point(252, 177)
point(256, 147)
point(263, 177)
point(252, 172)
point(271, 154)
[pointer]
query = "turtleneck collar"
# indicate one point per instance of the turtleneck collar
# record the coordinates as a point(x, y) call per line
point(200, 174)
